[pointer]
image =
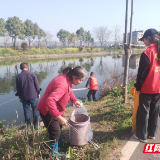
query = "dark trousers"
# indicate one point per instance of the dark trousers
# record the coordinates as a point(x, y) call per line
point(93, 93)
point(147, 115)
point(52, 125)
point(26, 107)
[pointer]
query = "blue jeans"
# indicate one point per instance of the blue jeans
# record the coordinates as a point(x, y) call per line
point(26, 107)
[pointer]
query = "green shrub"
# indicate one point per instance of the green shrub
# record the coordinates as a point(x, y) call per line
point(24, 46)
point(80, 48)
point(88, 49)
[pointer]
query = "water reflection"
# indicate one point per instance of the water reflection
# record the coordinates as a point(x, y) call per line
point(7, 82)
point(87, 65)
point(42, 69)
point(101, 67)
point(45, 71)
point(133, 61)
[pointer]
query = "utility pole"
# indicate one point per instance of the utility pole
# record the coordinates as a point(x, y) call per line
point(126, 23)
point(127, 49)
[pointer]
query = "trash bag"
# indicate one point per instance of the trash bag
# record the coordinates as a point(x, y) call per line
point(83, 110)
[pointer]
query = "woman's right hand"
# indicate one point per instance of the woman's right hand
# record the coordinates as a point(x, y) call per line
point(138, 92)
point(62, 120)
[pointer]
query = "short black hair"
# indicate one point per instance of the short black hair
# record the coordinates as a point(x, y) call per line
point(92, 73)
point(23, 65)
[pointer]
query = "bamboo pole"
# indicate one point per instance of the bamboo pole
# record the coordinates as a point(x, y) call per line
point(79, 89)
point(128, 51)
point(125, 49)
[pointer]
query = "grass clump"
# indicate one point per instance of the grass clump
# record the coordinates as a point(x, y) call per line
point(109, 118)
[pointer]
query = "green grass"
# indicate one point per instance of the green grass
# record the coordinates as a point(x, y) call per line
point(69, 109)
point(34, 51)
point(103, 122)
point(109, 119)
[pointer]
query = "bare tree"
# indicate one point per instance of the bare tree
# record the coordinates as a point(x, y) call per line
point(55, 44)
point(6, 39)
point(117, 29)
point(102, 34)
point(48, 37)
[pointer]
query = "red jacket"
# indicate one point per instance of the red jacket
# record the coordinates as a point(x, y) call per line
point(93, 83)
point(56, 96)
point(151, 84)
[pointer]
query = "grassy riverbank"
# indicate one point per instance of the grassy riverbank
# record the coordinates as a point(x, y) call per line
point(38, 51)
point(109, 119)
point(30, 54)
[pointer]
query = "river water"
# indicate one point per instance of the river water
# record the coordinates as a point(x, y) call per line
point(46, 70)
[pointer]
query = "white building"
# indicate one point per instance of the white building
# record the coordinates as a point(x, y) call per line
point(136, 35)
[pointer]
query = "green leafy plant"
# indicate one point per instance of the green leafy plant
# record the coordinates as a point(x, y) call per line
point(2, 123)
point(116, 91)
point(70, 153)
point(24, 46)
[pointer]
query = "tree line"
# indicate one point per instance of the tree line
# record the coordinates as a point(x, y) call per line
point(101, 33)
point(13, 28)
point(67, 38)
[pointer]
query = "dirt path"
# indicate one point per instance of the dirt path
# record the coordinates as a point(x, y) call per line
point(47, 56)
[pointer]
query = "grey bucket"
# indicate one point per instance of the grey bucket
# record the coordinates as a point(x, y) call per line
point(80, 122)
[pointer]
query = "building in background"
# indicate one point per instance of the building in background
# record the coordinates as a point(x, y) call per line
point(136, 35)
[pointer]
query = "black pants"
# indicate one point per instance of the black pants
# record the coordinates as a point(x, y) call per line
point(52, 125)
point(147, 115)
point(93, 93)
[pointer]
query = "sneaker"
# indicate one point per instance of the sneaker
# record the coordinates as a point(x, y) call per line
point(150, 137)
point(141, 140)
point(135, 136)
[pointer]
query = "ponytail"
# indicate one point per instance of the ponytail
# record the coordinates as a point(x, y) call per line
point(78, 72)
point(156, 39)
point(66, 70)
point(158, 49)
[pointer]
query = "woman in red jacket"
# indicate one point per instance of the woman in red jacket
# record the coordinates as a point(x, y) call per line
point(53, 102)
point(148, 87)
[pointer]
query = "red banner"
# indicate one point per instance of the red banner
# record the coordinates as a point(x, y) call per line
point(152, 148)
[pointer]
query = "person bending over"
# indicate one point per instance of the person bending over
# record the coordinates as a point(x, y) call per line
point(92, 82)
point(54, 101)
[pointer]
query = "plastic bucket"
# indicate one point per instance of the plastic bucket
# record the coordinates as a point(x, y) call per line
point(80, 122)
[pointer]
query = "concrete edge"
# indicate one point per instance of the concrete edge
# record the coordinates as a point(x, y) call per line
point(129, 148)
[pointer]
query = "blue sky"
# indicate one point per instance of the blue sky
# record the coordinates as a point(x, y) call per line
point(53, 15)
